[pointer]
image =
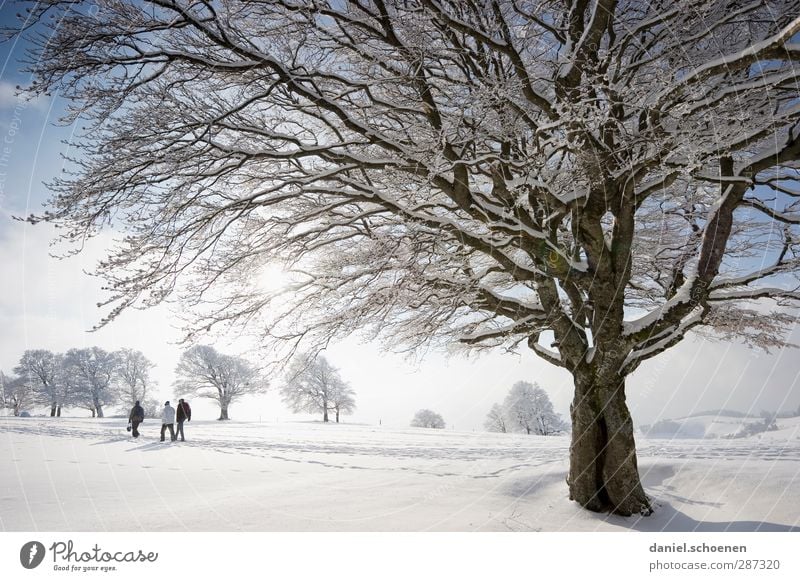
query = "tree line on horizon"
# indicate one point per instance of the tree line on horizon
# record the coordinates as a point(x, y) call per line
point(526, 409)
point(90, 378)
point(93, 379)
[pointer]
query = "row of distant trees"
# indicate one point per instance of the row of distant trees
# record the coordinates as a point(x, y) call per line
point(90, 378)
point(527, 408)
point(94, 379)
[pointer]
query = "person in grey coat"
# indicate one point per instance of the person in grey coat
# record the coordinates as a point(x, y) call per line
point(168, 421)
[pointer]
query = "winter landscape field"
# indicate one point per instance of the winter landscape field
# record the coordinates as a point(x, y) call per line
point(81, 474)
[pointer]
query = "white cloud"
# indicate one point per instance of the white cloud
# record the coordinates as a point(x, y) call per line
point(11, 98)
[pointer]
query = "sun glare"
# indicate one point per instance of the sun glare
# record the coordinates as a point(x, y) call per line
point(273, 278)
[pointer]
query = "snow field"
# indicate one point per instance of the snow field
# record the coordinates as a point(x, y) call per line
point(76, 474)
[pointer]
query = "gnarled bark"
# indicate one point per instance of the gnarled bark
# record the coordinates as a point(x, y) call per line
point(603, 474)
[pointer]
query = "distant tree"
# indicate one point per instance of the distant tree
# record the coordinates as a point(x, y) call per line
point(41, 370)
point(529, 409)
point(344, 401)
point(152, 407)
point(427, 419)
point(313, 385)
point(90, 374)
point(207, 373)
point(497, 419)
point(15, 392)
point(133, 375)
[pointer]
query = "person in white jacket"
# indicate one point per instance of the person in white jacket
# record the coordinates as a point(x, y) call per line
point(168, 421)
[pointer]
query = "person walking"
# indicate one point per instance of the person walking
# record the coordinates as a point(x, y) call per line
point(184, 415)
point(168, 421)
point(135, 418)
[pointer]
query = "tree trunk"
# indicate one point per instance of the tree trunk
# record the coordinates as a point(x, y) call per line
point(337, 415)
point(58, 411)
point(325, 415)
point(603, 474)
point(223, 412)
point(100, 411)
point(92, 410)
point(53, 410)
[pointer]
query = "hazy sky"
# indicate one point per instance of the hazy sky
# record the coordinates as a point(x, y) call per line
point(47, 303)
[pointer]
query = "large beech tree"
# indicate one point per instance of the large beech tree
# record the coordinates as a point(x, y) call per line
point(590, 178)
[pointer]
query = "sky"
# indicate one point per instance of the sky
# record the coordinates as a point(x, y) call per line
point(50, 303)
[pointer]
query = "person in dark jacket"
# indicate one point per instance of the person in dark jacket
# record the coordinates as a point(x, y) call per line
point(135, 418)
point(184, 414)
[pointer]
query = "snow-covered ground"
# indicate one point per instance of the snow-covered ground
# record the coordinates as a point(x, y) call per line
point(84, 475)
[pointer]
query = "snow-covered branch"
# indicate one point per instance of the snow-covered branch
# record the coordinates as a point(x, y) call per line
point(585, 158)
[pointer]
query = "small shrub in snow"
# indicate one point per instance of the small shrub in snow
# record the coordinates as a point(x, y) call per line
point(427, 419)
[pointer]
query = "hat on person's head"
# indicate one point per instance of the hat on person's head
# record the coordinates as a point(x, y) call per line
point(166, 403)
point(180, 400)
point(137, 402)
